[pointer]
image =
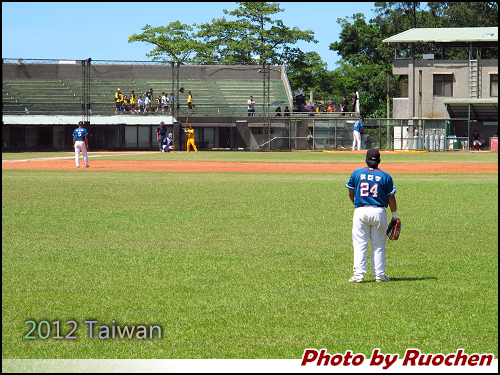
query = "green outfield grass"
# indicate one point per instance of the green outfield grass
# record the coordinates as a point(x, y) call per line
point(235, 265)
point(290, 157)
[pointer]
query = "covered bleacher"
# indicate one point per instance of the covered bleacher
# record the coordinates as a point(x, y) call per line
point(55, 87)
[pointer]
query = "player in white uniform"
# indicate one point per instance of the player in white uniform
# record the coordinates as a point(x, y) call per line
point(371, 190)
point(358, 126)
point(81, 143)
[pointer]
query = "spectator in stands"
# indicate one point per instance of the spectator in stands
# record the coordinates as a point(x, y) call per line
point(251, 106)
point(311, 112)
point(331, 109)
point(118, 100)
point(190, 102)
point(343, 106)
point(140, 104)
point(300, 102)
point(278, 111)
point(147, 102)
point(163, 101)
point(149, 95)
point(171, 102)
point(159, 104)
point(132, 101)
point(126, 107)
point(353, 103)
point(287, 111)
point(476, 141)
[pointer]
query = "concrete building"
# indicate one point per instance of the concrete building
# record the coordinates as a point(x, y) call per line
point(465, 91)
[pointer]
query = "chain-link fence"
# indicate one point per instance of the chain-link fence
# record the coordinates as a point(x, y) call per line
point(386, 134)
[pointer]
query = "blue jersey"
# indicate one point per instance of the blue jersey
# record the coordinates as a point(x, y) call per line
point(357, 125)
point(167, 141)
point(79, 134)
point(371, 187)
point(161, 130)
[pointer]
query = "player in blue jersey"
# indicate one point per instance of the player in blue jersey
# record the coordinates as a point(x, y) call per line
point(168, 143)
point(358, 126)
point(371, 190)
point(81, 143)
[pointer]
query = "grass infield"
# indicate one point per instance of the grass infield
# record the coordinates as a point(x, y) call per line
point(235, 265)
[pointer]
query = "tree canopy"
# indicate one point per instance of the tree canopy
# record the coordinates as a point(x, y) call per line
point(253, 37)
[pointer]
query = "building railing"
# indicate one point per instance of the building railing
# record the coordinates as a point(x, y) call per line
point(108, 108)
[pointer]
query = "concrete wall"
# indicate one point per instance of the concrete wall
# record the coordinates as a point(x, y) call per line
point(433, 107)
point(129, 71)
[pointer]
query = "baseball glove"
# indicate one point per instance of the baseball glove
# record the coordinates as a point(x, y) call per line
point(394, 229)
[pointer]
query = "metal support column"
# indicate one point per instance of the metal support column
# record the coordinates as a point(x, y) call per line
point(175, 88)
point(86, 91)
point(266, 81)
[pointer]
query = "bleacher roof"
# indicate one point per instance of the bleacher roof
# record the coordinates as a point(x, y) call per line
point(457, 36)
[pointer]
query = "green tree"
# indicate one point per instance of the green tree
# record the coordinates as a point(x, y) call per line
point(309, 72)
point(365, 58)
point(360, 42)
point(173, 42)
point(465, 14)
point(254, 37)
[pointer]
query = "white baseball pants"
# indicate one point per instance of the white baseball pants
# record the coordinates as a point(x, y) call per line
point(356, 139)
point(369, 223)
point(80, 147)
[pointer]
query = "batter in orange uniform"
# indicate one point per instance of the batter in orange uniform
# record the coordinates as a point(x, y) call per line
point(190, 141)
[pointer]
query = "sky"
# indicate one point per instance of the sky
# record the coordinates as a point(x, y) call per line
point(77, 31)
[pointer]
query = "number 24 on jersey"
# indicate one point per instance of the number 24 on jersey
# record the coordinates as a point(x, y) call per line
point(366, 191)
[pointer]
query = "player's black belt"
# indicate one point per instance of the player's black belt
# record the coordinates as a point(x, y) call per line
point(371, 205)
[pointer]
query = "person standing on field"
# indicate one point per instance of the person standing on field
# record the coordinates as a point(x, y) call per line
point(356, 136)
point(190, 141)
point(161, 131)
point(81, 143)
point(371, 190)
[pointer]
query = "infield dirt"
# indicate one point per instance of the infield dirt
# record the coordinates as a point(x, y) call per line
point(243, 167)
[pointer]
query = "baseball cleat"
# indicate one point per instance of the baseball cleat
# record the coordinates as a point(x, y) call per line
point(86, 166)
point(356, 279)
point(382, 278)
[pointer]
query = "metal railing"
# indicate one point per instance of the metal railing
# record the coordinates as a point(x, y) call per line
point(103, 108)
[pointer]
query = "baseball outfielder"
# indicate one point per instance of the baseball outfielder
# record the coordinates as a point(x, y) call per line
point(358, 126)
point(371, 190)
point(190, 141)
point(81, 143)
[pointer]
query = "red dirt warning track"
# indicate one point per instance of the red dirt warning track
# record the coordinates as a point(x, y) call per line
point(210, 166)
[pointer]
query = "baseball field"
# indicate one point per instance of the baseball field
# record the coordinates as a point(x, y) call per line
point(242, 255)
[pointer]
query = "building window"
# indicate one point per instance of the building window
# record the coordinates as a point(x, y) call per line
point(443, 84)
point(494, 85)
point(403, 85)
